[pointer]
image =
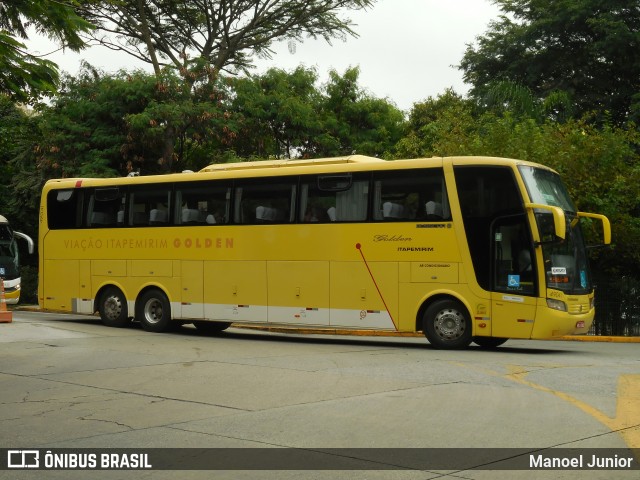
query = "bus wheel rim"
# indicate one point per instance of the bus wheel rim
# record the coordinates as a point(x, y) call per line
point(153, 311)
point(113, 307)
point(449, 324)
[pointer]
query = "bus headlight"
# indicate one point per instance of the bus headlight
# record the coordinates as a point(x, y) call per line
point(556, 304)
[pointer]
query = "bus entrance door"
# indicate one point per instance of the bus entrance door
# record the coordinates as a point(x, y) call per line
point(513, 299)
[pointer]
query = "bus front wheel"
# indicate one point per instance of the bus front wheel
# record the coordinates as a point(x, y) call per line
point(153, 311)
point(113, 308)
point(447, 325)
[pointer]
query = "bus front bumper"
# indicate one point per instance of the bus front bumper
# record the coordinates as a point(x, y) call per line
point(552, 323)
point(12, 291)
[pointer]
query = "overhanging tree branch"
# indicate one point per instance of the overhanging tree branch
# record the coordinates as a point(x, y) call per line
point(216, 34)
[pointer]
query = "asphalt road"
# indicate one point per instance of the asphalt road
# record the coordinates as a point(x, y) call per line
point(69, 382)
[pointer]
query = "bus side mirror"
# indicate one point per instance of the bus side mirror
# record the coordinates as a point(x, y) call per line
point(606, 226)
point(559, 222)
point(27, 238)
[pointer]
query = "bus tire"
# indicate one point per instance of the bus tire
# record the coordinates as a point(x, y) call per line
point(489, 342)
point(112, 307)
point(153, 311)
point(211, 327)
point(447, 325)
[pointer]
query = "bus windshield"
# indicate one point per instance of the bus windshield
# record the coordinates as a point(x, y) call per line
point(546, 188)
point(8, 254)
point(566, 263)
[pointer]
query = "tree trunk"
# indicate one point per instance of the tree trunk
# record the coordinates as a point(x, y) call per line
point(168, 150)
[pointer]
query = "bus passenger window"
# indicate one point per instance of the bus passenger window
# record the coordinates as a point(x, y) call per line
point(265, 201)
point(202, 203)
point(411, 195)
point(63, 209)
point(334, 198)
point(103, 207)
point(149, 206)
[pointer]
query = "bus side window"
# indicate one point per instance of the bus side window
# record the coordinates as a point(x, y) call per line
point(316, 206)
point(202, 203)
point(334, 198)
point(103, 208)
point(64, 209)
point(269, 200)
point(411, 195)
point(149, 206)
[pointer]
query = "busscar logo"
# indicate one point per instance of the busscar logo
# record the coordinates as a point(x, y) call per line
point(23, 459)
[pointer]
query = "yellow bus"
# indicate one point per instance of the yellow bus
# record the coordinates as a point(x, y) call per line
point(463, 248)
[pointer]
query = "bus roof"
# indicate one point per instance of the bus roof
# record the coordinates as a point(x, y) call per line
point(215, 167)
point(278, 167)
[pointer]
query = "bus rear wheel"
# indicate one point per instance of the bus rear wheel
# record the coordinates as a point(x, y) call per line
point(153, 311)
point(112, 307)
point(447, 325)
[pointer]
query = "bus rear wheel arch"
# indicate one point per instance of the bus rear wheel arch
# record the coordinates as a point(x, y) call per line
point(447, 324)
point(112, 307)
point(153, 310)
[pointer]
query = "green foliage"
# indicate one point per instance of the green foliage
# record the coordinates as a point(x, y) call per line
point(29, 286)
point(356, 122)
point(287, 115)
point(110, 125)
point(84, 132)
point(221, 36)
point(277, 113)
point(178, 129)
point(18, 131)
point(516, 99)
point(586, 49)
point(23, 76)
point(438, 126)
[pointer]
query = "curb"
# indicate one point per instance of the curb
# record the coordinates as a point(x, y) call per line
point(598, 338)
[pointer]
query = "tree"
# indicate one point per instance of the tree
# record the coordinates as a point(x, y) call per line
point(104, 125)
point(277, 113)
point(588, 49)
point(356, 121)
point(448, 118)
point(23, 76)
point(202, 38)
point(17, 132)
point(194, 128)
point(506, 96)
point(286, 114)
point(85, 132)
